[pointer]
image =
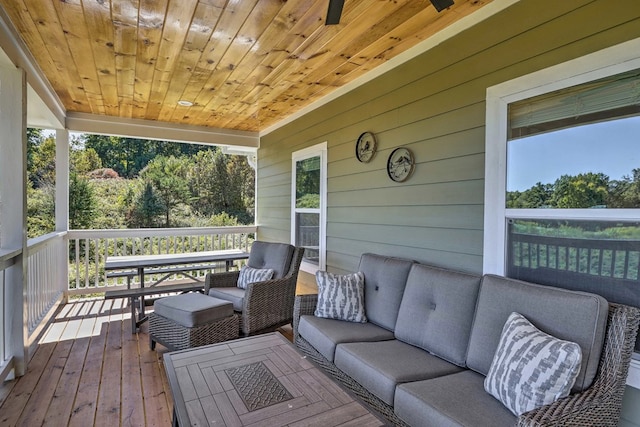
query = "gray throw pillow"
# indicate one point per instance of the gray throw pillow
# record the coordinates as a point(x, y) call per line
point(250, 275)
point(530, 368)
point(341, 296)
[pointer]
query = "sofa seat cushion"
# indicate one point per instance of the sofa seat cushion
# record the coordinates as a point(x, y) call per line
point(233, 294)
point(451, 401)
point(384, 281)
point(381, 366)
point(579, 317)
point(436, 312)
point(325, 334)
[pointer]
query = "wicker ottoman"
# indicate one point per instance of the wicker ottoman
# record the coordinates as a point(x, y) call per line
point(191, 320)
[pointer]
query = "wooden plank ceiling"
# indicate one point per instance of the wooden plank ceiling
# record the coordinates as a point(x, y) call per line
point(244, 64)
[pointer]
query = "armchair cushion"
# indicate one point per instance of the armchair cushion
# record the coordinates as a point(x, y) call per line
point(233, 294)
point(341, 297)
point(276, 256)
point(249, 275)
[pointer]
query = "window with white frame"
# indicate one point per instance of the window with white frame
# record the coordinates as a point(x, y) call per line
point(308, 205)
point(562, 180)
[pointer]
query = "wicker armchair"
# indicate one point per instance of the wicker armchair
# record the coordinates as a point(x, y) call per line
point(263, 306)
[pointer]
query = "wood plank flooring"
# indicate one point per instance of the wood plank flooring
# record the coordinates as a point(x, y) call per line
point(90, 370)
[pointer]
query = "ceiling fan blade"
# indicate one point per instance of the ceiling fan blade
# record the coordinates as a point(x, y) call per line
point(441, 4)
point(334, 12)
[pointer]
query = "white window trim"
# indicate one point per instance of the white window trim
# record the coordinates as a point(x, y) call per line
point(313, 151)
point(614, 60)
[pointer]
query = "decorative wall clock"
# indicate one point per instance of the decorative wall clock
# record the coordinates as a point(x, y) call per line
point(400, 164)
point(366, 147)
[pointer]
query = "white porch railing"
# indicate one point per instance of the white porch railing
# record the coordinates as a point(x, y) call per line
point(46, 257)
point(55, 266)
point(88, 250)
point(7, 261)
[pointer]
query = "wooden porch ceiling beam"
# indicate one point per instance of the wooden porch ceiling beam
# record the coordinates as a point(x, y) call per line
point(151, 129)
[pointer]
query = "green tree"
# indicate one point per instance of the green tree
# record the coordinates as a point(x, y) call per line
point(625, 193)
point(82, 202)
point(146, 210)
point(40, 210)
point(242, 182)
point(41, 160)
point(167, 175)
point(585, 190)
point(535, 197)
point(40, 183)
point(222, 184)
point(83, 161)
point(129, 156)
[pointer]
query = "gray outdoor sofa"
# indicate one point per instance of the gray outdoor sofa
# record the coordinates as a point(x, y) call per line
point(422, 357)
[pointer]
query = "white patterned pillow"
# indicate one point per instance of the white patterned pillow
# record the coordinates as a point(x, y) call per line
point(530, 368)
point(341, 296)
point(250, 275)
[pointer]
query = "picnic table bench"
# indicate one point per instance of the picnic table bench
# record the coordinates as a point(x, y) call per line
point(167, 264)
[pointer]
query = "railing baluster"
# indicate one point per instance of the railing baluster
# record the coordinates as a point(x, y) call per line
point(625, 273)
point(90, 249)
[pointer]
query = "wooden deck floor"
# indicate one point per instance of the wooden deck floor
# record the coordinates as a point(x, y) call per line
point(90, 370)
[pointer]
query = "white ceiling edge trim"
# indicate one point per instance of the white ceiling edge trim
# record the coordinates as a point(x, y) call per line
point(20, 56)
point(449, 32)
point(152, 129)
point(39, 115)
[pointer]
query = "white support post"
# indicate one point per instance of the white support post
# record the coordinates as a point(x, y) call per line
point(13, 206)
point(62, 180)
point(62, 202)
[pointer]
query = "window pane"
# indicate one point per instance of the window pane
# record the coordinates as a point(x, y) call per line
point(308, 183)
point(308, 236)
point(596, 165)
point(602, 257)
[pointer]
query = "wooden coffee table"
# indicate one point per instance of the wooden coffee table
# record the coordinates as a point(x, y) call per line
point(260, 380)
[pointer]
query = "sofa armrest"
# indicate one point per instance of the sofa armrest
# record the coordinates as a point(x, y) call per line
point(220, 280)
point(303, 304)
point(600, 404)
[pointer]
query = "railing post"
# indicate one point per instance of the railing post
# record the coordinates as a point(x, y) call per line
point(13, 208)
point(62, 205)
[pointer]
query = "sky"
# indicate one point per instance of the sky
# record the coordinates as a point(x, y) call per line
point(611, 147)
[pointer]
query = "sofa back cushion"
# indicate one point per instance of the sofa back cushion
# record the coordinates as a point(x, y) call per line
point(276, 256)
point(436, 312)
point(569, 315)
point(384, 282)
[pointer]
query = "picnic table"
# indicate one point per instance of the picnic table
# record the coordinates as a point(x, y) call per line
point(167, 264)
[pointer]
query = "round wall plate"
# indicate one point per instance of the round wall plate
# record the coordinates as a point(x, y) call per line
point(400, 164)
point(366, 147)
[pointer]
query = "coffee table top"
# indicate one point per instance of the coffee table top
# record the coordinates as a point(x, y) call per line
point(261, 379)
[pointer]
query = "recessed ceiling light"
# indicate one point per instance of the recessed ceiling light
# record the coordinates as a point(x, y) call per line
point(185, 103)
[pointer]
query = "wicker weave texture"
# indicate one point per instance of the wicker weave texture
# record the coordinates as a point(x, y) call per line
point(599, 405)
point(267, 304)
point(178, 337)
point(374, 402)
